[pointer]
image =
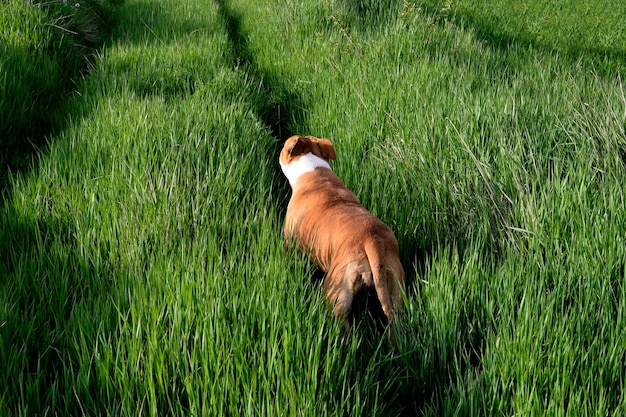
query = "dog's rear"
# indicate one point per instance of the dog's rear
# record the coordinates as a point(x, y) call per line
point(376, 267)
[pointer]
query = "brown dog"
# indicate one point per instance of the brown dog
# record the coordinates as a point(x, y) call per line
point(326, 220)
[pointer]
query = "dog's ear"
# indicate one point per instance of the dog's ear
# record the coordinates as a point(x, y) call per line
point(296, 147)
point(328, 151)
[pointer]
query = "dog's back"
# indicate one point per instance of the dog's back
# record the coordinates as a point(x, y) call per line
point(351, 245)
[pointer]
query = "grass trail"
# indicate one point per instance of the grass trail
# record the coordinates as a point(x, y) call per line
point(143, 269)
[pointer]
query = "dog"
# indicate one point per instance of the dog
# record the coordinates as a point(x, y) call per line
point(355, 249)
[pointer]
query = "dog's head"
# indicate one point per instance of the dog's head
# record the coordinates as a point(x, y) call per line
point(297, 146)
point(302, 154)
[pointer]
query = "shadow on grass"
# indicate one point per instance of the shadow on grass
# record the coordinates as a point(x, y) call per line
point(21, 146)
point(54, 304)
point(42, 73)
point(279, 108)
point(372, 14)
point(606, 61)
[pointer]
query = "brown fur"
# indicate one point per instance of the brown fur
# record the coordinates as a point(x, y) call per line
point(353, 247)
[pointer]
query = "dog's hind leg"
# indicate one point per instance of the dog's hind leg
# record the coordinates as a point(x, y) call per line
point(341, 286)
point(339, 296)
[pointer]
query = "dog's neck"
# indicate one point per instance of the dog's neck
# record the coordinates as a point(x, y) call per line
point(298, 167)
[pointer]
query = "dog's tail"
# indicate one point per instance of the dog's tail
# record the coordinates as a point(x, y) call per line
point(375, 252)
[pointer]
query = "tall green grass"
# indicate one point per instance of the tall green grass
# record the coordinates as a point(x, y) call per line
point(143, 268)
point(590, 31)
point(45, 48)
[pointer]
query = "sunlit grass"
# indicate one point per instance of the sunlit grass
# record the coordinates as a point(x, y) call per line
point(142, 263)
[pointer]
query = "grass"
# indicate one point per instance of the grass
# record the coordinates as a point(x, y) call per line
point(143, 269)
point(591, 30)
point(45, 48)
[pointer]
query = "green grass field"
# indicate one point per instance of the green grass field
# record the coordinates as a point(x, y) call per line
point(142, 266)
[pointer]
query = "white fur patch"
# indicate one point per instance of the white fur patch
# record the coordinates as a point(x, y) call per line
point(298, 167)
